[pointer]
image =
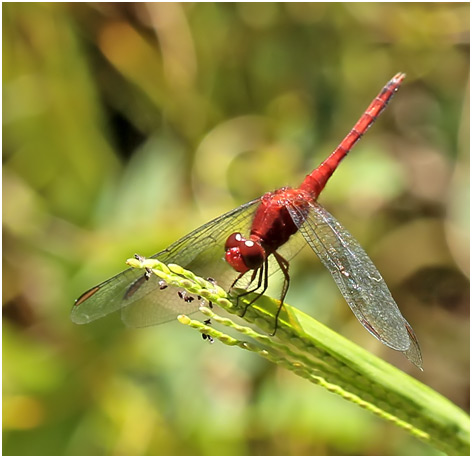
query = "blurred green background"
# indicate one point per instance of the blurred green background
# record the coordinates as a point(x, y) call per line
point(125, 126)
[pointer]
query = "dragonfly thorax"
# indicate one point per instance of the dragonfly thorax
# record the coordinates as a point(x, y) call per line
point(242, 254)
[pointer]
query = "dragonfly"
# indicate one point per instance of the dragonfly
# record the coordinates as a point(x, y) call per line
point(243, 247)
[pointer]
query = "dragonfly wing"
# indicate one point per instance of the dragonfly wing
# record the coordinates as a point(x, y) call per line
point(357, 278)
point(142, 302)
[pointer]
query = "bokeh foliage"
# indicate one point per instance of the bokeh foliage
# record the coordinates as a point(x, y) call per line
point(127, 125)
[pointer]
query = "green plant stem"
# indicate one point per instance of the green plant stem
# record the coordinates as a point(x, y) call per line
point(313, 351)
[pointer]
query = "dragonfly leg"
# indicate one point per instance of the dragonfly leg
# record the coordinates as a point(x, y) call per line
point(259, 283)
point(263, 280)
point(284, 265)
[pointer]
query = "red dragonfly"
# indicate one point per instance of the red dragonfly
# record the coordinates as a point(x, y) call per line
point(277, 226)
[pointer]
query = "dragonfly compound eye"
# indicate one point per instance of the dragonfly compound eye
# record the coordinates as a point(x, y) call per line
point(243, 255)
point(234, 240)
point(235, 260)
point(253, 254)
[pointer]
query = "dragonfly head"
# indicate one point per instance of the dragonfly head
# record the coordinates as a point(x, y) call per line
point(242, 254)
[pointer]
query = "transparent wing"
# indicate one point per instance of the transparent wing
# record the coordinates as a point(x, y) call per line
point(357, 278)
point(143, 302)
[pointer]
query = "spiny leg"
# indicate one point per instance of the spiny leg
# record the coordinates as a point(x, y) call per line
point(263, 280)
point(284, 265)
point(259, 283)
point(263, 273)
